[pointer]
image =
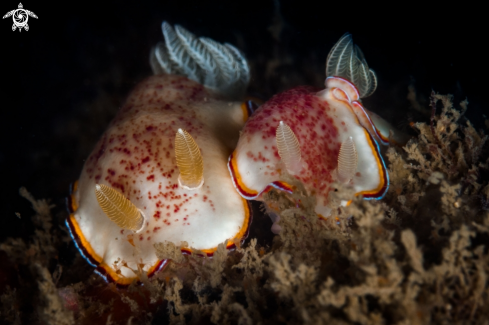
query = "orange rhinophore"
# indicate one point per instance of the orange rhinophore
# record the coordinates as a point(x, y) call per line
point(288, 147)
point(347, 161)
point(189, 161)
point(119, 209)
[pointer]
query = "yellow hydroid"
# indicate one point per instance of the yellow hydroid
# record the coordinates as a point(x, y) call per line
point(119, 209)
point(288, 147)
point(189, 161)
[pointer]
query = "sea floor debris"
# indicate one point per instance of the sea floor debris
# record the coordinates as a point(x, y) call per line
point(418, 256)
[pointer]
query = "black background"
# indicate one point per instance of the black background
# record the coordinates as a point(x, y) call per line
point(63, 80)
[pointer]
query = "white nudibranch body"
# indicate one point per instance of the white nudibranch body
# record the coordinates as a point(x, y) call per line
point(159, 171)
point(328, 131)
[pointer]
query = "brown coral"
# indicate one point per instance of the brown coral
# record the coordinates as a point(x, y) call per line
point(420, 255)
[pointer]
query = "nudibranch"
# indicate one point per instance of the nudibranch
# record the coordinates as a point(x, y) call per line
point(159, 172)
point(317, 136)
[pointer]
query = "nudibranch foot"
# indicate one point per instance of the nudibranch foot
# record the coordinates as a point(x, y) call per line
point(386, 132)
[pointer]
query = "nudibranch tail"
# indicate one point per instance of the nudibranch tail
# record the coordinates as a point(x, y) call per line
point(118, 208)
point(386, 132)
point(220, 67)
point(347, 160)
point(346, 60)
point(288, 147)
point(189, 161)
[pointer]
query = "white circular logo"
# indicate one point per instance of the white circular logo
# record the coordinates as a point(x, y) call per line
point(20, 17)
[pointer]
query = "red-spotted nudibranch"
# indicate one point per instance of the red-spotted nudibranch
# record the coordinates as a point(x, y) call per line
point(317, 136)
point(159, 172)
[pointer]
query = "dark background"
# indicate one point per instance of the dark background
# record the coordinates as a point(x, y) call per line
point(64, 79)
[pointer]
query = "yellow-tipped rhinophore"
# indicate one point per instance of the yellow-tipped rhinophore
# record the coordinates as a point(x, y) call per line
point(347, 160)
point(288, 147)
point(189, 161)
point(119, 209)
